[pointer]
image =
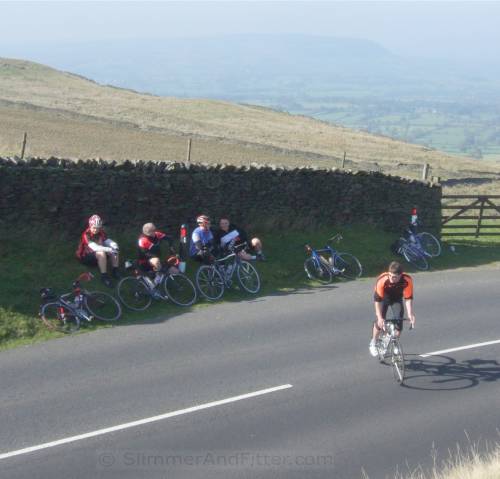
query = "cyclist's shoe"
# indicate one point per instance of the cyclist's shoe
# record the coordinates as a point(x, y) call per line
point(116, 273)
point(106, 280)
point(373, 349)
point(395, 350)
point(260, 256)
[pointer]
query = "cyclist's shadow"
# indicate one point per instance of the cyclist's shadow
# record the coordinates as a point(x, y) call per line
point(444, 373)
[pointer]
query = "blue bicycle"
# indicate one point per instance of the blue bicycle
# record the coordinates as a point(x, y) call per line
point(417, 247)
point(324, 264)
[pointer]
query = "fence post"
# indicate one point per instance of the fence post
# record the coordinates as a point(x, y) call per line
point(24, 145)
point(188, 158)
point(478, 227)
point(425, 171)
point(343, 161)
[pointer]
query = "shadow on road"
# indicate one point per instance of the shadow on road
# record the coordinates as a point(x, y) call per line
point(443, 373)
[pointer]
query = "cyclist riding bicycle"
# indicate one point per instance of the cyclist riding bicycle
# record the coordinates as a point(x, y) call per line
point(95, 248)
point(391, 288)
point(149, 252)
point(202, 241)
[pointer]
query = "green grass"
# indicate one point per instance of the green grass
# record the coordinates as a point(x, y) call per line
point(45, 259)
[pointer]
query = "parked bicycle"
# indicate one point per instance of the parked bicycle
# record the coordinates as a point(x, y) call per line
point(324, 264)
point(389, 346)
point(137, 291)
point(66, 312)
point(213, 279)
point(417, 247)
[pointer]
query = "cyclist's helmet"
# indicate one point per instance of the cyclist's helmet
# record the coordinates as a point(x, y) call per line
point(203, 219)
point(95, 221)
point(149, 229)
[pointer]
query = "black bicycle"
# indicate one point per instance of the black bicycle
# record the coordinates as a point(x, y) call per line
point(137, 291)
point(65, 313)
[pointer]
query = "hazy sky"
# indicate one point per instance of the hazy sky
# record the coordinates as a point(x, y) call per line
point(460, 30)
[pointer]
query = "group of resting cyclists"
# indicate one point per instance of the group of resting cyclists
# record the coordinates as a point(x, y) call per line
point(96, 249)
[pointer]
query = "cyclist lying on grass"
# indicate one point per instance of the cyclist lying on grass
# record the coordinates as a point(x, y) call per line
point(391, 288)
point(149, 244)
point(95, 248)
point(229, 235)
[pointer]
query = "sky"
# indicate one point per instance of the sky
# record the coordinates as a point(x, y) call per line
point(467, 31)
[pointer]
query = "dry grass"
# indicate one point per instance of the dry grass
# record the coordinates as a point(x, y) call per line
point(69, 116)
point(471, 464)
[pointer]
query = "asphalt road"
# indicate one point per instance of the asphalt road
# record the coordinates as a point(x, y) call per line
point(344, 413)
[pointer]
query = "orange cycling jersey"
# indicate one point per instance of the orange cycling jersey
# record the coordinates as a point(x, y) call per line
point(384, 289)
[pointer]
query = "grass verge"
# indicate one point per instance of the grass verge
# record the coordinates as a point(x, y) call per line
point(43, 259)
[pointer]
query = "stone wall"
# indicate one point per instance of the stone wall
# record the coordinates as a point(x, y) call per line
point(63, 193)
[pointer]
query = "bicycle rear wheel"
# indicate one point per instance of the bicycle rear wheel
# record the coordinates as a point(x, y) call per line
point(59, 318)
point(317, 270)
point(414, 257)
point(248, 277)
point(134, 294)
point(397, 361)
point(209, 282)
point(430, 244)
point(349, 265)
point(102, 306)
point(179, 289)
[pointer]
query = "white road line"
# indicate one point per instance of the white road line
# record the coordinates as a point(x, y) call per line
point(460, 348)
point(140, 422)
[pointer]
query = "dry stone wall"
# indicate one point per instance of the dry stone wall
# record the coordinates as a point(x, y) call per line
point(63, 193)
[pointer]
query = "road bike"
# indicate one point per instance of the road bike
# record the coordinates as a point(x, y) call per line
point(213, 279)
point(65, 313)
point(137, 291)
point(417, 247)
point(324, 264)
point(389, 345)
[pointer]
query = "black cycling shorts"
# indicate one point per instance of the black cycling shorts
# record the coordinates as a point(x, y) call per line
point(393, 310)
point(89, 259)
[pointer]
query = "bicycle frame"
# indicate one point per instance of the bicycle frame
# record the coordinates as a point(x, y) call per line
point(316, 255)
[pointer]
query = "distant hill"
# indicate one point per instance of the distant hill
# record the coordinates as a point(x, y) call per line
point(347, 81)
point(68, 115)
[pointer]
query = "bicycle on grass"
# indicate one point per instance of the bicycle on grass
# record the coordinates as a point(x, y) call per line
point(213, 279)
point(137, 292)
point(417, 247)
point(324, 264)
point(65, 313)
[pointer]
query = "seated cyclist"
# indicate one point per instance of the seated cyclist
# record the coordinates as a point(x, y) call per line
point(95, 248)
point(392, 288)
point(229, 234)
point(202, 241)
point(149, 250)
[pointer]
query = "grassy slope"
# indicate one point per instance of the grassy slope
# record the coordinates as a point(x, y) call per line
point(49, 261)
point(78, 118)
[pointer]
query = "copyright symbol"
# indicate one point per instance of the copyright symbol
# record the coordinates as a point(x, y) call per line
point(106, 459)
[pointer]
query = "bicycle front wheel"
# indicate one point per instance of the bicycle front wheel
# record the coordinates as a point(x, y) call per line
point(102, 306)
point(179, 289)
point(134, 294)
point(397, 361)
point(210, 283)
point(59, 318)
point(430, 244)
point(317, 270)
point(415, 257)
point(349, 265)
point(248, 277)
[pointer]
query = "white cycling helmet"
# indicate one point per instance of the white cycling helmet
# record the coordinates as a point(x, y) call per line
point(95, 221)
point(202, 219)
